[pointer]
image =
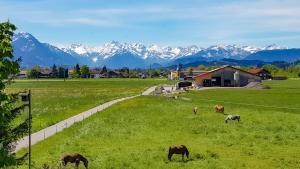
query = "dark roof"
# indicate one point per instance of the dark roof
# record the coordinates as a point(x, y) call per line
point(257, 70)
point(223, 67)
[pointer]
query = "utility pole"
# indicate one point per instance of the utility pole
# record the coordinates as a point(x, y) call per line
point(30, 121)
point(26, 97)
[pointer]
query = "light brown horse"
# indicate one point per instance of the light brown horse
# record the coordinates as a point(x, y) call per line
point(219, 109)
point(74, 158)
point(178, 150)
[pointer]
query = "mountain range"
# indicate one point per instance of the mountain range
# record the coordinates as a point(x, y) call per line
point(136, 55)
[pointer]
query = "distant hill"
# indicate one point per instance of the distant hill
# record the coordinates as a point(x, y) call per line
point(288, 55)
point(231, 62)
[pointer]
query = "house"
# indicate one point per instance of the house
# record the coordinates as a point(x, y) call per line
point(45, 73)
point(185, 75)
point(179, 74)
point(225, 76)
point(22, 74)
point(96, 74)
point(262, 73)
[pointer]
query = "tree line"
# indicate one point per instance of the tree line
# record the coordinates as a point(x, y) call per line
point(85, 72)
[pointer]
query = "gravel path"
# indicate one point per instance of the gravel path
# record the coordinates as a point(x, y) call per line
point(149, 91)
point(58, 127)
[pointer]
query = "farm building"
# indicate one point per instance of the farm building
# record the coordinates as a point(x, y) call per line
point(227, 76)
point(262, 73)
point(179, 74)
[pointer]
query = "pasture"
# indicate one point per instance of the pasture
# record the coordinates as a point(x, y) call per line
point(55, 100)
point(137, 133)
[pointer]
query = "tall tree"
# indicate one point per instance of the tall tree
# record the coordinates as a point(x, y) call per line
point(66, 73)
point(104, 70)
point(61, 72)
point(9, 130)
point(76, 72)
point(54, 72)
point(85, 71)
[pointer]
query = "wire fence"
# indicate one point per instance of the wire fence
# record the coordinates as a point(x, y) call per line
point(249, 104)
point(58, 127)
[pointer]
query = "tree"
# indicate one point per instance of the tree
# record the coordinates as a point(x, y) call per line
point(85, 71)
point(54, 73)
point(190, 70)
point(34, 72)
point(66, 73)
point(10, 132)
point(61, 72)
point(104, 70)
point(76, 73)
point(202, 67)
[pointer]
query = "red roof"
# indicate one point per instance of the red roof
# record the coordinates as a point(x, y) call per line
point(256, 70)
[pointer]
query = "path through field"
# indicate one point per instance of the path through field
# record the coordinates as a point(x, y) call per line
point(58, 127)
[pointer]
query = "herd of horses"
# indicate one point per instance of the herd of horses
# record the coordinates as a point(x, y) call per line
point(180, 149)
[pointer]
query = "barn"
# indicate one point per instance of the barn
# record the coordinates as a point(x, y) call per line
point(226, 76)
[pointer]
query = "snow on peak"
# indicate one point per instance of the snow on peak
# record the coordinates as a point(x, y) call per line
point(273, 47)
point(155, 51)
point(23, 35)
point(152, 51)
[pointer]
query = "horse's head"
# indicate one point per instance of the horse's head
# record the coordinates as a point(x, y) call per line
point(86, 163)
point(187, 153)
point(169, 156)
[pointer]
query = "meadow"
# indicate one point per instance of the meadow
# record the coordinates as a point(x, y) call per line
point(55, 100)
point(137, 133)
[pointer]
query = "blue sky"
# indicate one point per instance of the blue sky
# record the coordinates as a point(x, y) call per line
point(163, 22)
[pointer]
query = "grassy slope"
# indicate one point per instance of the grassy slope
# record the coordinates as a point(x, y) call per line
point(55, 100)
point(137, 133)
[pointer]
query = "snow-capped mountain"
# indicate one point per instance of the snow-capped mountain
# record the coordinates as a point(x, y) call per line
point(32, 52)
point(155, 53)
point(136, 55)
point(145, 52)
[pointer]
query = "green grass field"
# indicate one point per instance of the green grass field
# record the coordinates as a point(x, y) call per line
point(55, 100)
point(138, 132)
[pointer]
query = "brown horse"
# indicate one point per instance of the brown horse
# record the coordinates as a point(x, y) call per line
point(178, 150)
point(219, 109)
point(74, 158)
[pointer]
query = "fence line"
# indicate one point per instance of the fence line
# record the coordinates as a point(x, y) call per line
point(52, 130)
point(249, 104)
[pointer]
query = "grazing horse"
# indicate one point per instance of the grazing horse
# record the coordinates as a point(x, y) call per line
point(178, 150)
point(74, 158)
point(195, 110)
point(219, 109)
point(233, 117)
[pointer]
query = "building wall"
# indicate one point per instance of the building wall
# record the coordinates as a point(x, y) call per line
point(227, 75)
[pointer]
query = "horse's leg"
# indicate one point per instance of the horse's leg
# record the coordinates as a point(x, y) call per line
point(182, 156)
point(77, 164)
point(64, 163)
point(170, 156)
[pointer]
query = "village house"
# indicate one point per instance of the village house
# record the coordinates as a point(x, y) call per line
point(96, 74)
point(179, 74)
point(226, 76)
point(262, 73)
point(45, 73)
point(22, 74)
